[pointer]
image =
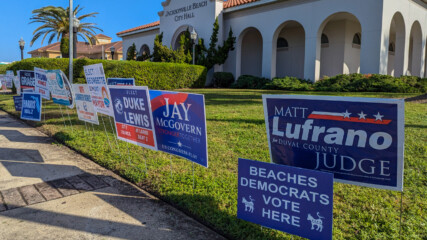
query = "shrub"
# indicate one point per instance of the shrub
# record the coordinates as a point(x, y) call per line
point(372, 83)
point(165, 76)
point(290, 83)
point(223, 79)
point(250, 82)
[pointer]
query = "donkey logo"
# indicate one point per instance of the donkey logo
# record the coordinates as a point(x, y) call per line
point(249, 205)
point(316, 222)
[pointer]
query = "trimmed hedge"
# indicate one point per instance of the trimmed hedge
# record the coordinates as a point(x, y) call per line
point(166, 76)
point(340, 83)
point(3, 69)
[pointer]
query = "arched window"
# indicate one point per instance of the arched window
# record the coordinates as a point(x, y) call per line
point(357, 40)
point(391, 47)
point(282, 43)
point(324, 40)
point(144, 53)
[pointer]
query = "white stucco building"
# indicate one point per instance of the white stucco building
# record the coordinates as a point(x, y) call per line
point(302, 38)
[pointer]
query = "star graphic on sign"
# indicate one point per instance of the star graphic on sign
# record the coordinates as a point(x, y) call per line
point(378, 117)
point(362, 115)
point(179, 144)
point(347, 114)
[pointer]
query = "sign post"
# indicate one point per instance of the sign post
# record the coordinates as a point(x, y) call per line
point(360, 140)
point(293, 200)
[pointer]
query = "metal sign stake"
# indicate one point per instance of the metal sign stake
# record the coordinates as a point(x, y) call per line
point(108, 139)
point(65, 125)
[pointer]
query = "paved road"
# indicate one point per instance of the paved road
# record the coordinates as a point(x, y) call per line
point(48, 191)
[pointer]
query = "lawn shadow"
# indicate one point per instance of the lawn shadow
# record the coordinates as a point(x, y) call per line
point(415, 126)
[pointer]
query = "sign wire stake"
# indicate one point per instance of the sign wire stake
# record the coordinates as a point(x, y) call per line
point(145, 161)
point(115, 137)
point(44, 112)
point(93, 131)
point(69, 119)
point(60, 107)
point(108, 139)
point(401, 210)
point(170, 158)
point(194, 186)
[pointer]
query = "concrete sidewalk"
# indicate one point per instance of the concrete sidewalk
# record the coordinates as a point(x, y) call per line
point(48, 191)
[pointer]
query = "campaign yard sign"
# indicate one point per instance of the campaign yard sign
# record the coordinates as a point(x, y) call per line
point(85, 109)
point(26, 79)
point(31, 106)
point(289, 199)
point(17, 85)
point(98, 88)
point(360, 140)
point(121, 81)
point(180, 123)
point(132, 115)
point(17, 100)
point(9, 78)
point(41, 83)
point(60, 88)
point(3, 82)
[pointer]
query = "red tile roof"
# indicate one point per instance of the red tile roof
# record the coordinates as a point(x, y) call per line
point(153, 24)
point(227, 4)
point(233, 3)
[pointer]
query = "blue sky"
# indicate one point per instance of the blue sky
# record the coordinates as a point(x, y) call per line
point(114, 16)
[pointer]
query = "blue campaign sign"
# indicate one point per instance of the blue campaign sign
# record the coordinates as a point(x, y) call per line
point(27, 79)
point(293, 200)
point(31, 106)
point(121, 81)
point(132, 115)
point(360, 140)
point(17, 100)
point(180, 122)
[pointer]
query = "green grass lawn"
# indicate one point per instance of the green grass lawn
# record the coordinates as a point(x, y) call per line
point(236, 129)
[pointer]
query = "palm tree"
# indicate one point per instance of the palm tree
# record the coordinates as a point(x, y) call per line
point(55, 24)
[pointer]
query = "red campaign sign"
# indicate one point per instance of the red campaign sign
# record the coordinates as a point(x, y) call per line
point(135, 134)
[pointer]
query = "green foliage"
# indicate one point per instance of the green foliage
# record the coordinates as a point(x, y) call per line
point(215, 54)
point(340, 83)
point(250, 82)
point(65, 47)
point(372, 83)
point(290, 84)
point(223, 79)
point(207, 57)
point(162, 53)
point(131, 53)
point(56, 23)
point(3, 69)
point(166, 76)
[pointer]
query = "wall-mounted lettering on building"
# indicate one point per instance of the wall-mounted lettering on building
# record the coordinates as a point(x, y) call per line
point(185, 12)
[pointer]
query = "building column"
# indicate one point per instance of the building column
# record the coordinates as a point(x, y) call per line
point(373, 54)
point(267, 56)
point(312, 58)
point(423, 57)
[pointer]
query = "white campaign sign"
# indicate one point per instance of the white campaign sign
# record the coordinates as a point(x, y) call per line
point(41, 83)
point(98, 88)
point(17, 85)
point(85, 109)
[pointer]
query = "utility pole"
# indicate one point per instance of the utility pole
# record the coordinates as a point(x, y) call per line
point(71, 48)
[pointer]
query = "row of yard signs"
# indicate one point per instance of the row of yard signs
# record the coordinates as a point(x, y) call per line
point(314, 140)
point(171, 122)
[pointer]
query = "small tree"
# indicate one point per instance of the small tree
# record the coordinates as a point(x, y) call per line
point(65, 47)
point(207, 57)
point(131, 53)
